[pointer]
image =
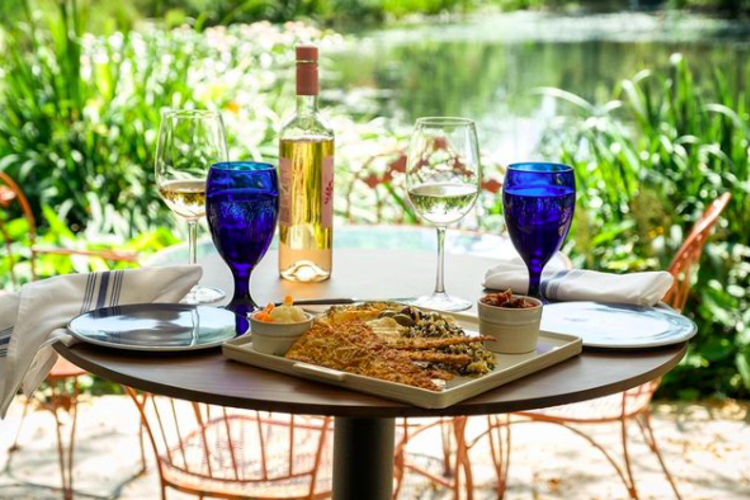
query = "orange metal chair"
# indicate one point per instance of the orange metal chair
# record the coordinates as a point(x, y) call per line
point(452, 471)
point(631, 405)
point(213, 452)
point(64, 372)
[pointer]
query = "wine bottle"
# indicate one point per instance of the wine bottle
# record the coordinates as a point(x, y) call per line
point(306, 182)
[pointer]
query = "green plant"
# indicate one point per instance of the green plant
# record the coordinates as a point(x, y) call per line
point(647, 163)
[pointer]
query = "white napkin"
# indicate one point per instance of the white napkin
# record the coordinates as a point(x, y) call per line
point(33, 319)
point(560, 284)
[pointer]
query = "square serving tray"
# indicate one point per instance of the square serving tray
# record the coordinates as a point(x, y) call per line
point(553, 348)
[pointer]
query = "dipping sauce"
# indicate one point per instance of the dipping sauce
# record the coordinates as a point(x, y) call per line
point(506, 299)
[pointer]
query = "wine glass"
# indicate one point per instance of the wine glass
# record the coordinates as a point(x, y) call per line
point(190, 141)
point(539, 201)
point(442, 179)
point(242, 207)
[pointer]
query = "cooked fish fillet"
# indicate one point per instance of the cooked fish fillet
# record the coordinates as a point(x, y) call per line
point(438, 357)
point(419, 344)
point(353, 347)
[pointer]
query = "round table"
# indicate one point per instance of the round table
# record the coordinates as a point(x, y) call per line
point(364, 425)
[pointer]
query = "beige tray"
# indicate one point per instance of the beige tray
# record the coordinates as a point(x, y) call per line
point(553, 348)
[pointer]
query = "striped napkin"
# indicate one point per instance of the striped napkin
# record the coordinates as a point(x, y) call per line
point(34, 318)
point(561, 284)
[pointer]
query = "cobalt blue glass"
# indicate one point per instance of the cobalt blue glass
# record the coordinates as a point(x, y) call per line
point(242, 206)
point(539, 201)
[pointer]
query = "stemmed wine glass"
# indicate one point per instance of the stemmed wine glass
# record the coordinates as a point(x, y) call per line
point(242, 207)
point(442, 180)
point(539, 201)
point(190, 141)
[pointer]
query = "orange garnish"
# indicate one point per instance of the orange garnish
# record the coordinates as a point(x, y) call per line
point(264, 316)
point(288, 300)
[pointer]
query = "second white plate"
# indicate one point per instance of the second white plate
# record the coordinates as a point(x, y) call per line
point(618, 326)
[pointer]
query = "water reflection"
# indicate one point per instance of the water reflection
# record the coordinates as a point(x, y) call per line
point(487, 69)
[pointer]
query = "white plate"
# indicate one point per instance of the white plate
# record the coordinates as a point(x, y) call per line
point(157, 327)
point(618, 326)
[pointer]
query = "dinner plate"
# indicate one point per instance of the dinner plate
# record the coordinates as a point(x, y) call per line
point(618, 326)
point(156, 327)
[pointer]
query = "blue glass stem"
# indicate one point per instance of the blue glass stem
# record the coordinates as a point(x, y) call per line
point(535, 279)
point(242, 298)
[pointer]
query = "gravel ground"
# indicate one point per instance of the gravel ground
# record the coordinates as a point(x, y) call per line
point(706, 446)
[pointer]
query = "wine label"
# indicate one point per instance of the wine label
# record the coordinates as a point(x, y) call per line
point(326, 179)
point(285, 186)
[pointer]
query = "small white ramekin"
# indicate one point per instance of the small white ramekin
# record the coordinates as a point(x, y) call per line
point(276, 338)
point(516, 331)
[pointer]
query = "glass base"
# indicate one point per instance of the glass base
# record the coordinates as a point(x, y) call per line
point(442, 302)
point(203, 295)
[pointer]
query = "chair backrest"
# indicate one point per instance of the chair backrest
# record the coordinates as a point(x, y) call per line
point(11, 194)
point(683, 267)
point(217, 446)
point(686, 261)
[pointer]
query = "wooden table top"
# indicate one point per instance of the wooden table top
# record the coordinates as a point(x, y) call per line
point(209, 377)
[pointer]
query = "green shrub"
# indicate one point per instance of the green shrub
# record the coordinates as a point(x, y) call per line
point(647, 163)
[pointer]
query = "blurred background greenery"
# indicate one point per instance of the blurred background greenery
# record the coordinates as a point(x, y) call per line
point(647, 100)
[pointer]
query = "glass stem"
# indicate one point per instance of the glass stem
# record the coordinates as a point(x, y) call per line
point(535, 278)
point(242, 303)
point(242, 288)
point(440, 280)
point(193, 241)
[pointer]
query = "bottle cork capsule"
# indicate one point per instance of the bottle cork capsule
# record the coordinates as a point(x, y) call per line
point(307, 53)
point(307, 70)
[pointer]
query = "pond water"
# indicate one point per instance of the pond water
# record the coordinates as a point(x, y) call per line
point(488, 67)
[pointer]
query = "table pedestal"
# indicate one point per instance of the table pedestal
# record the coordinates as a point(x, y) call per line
point(363, 458)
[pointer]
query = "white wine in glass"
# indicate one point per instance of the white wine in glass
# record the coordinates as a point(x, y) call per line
point(443, 176)
point(190, 141)
point(186, 199)
point(443, 203)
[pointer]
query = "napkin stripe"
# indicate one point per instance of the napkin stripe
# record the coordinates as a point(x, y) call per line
point(550, 286)
point(88, 293)
point(5, 341)
point(103, 289)
point(116, 288)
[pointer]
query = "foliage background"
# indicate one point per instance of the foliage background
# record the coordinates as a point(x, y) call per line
point(81, 111)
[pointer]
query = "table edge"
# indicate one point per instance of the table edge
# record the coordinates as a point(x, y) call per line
point(460, 409)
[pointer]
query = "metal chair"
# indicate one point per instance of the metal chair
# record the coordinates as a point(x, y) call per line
point(452, 471)
point(212, 452)
point(63, 372)
point(633, 404)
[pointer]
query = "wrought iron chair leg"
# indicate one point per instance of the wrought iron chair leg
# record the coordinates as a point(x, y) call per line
point(15, 447)
point(499, 449)
point(72, 438)
point(644, 422)
point(502, 477)
point(632, 490)
point(142, 446)
point(445, 435)
point(61, 454)
point(462, 459)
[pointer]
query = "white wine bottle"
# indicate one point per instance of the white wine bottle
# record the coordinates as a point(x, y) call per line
point(306, 181)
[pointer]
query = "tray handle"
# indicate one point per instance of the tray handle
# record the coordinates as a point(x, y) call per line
point(319, 371)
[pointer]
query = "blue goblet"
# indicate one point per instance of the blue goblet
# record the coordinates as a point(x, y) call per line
point(242, 206)
point(539, 201)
